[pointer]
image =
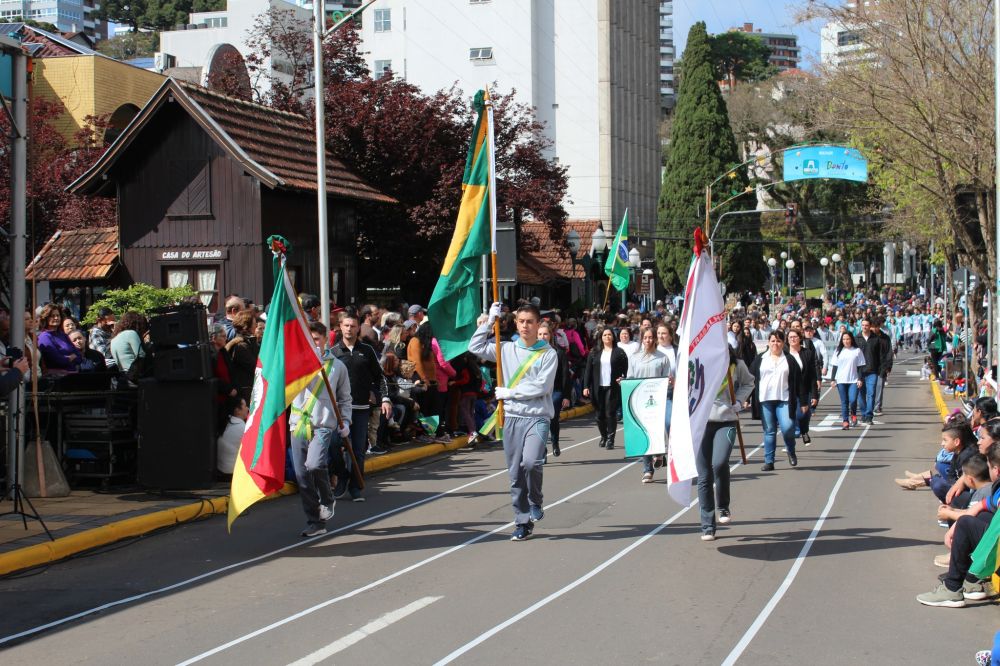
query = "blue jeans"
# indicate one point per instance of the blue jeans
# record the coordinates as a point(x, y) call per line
point(775, 415)
point(713, 471)
point(359, 444)
point(866, 396)
point(802, 420)
point(879, 385)
point(848, 400)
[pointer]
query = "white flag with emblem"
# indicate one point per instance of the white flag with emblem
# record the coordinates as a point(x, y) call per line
point(703, 356)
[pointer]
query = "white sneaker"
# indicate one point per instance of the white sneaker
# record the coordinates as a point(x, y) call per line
point(725, 516)
point(326, 512)
point(647, 477)
point(708, 537)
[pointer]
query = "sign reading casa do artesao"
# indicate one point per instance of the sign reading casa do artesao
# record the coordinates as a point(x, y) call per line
point(201, 254)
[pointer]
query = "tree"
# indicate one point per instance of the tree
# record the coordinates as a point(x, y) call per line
point(154, 14)
point(740, 56)
point(139, 297)
point(410, 145)
point(702, 149)
point(130, 45)
point(917, 98)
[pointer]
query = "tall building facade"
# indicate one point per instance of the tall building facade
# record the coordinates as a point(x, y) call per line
point(842, 42)
point(590, 69)
point(70, 16)
point(785, 51)
point(668, 96)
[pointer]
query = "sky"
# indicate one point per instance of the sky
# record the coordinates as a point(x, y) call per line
point(769, 15)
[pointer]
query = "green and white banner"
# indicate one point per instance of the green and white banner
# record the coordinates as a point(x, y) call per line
point(644, 408)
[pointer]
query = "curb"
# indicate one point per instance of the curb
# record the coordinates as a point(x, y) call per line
point(67, 546)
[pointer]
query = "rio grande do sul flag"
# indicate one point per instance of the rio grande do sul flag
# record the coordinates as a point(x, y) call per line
point(286, 363)
point(703, 357)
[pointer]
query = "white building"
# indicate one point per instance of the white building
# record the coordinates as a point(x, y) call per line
point(210, 39)
point(842, 42)
point(68, 15)
point(590, 68)
point(668, 97)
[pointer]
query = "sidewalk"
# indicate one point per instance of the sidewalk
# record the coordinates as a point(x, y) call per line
point(89, 519)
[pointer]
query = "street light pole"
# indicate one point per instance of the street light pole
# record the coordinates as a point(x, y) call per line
point(824, 262)
point(836, 258)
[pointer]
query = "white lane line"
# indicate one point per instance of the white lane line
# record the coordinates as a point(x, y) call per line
point(364, 632)
point(385, 579)
point(576, 583)
point(803, 554)
point(258, 558)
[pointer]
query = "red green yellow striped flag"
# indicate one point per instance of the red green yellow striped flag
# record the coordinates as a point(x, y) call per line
point(286, 363)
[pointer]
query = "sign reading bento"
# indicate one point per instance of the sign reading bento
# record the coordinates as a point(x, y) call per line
point(210, 254)
point(644, 408)
point(840, 162)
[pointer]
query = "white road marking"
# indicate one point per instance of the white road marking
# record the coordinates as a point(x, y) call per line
point(803, 554)
point(364, 632)
point(576, 583)
point(237, 565)
point(385, 579)
point(829, 422)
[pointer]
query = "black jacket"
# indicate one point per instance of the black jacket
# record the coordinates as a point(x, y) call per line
point(592, 374)
point(363, 371)
point(874, 349)
point(564, 378)
point(809, 374)
point(796, 387)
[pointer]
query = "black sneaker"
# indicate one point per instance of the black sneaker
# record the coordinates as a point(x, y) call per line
point(340, 489)
point(767, 467)
point(377, 451)
point(313, 530)
point(522, 532)
point(792, 460)
point(555, 450)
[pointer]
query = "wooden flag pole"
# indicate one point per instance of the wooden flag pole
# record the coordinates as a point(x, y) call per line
point(607, 293)
point(493, 242)
point(496, 335)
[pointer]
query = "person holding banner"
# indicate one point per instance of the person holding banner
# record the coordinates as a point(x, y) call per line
point(606, 364)
point(717, 444)
point(645, 363)
point(529, 374)
point(779, 388)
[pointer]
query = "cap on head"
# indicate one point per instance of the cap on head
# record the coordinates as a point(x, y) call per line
point(415, 309)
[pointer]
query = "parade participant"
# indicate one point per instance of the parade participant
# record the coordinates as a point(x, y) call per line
point(527, 408)
point(314, 428)
point(625, 341)
point(846, 364)
point(562, 388)
point(606, 364)
point(806, 360)
point(716, 446)
point(870, 343)
point(886, 367)
point(779, 387)
point(648, 362)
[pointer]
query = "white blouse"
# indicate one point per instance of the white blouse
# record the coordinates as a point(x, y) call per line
point(847, 361)
point(606, 367)
point(773, 378)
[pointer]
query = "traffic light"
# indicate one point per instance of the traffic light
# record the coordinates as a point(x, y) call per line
point(791, 213)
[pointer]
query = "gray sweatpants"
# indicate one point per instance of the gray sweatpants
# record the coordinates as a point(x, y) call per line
point(309, 457)
point(524, 449)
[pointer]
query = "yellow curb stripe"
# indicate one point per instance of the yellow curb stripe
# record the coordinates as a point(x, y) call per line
point(67, 546)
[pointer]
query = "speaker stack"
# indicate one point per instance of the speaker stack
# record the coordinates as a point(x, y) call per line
point(177, 407)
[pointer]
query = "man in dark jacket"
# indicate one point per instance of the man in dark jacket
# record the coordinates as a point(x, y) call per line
point(368, 387)
point(886, 368)
point(871, 344)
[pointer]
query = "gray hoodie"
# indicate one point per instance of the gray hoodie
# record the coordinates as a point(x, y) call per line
point(642, 365)
point(532, 397)
point(722, 408)
point(323, 415)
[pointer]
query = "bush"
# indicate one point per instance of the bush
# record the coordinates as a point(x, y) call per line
point(141, 298)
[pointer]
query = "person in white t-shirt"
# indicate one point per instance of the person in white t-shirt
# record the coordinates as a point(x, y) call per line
point(846, 377)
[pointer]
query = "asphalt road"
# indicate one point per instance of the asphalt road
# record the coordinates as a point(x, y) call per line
point(820, 565)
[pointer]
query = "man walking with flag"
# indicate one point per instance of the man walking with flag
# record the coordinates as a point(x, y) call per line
point(314, 426)
point(529, 374)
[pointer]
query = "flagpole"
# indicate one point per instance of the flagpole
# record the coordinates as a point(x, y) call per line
point(493, 242)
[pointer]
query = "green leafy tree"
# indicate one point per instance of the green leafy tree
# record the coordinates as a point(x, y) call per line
point(702, 149)
point(139, 297)
point(154, 14)
point(130, 45)
point(740, 56)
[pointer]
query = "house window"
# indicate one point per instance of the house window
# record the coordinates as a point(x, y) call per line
point(383, 20)
point(204, 279)
point(381, 67)
point(481, 53)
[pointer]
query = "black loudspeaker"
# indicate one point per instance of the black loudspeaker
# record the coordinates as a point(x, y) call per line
point(179, 325)
point(177, 424)
point(182, 364)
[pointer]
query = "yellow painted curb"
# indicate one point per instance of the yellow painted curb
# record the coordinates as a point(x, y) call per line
point(939, 399)
point(63, 547)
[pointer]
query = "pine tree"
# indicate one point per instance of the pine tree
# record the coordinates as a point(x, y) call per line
point(702, 149)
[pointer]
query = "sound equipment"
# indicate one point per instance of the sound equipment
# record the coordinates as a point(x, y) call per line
point(184, 324)
point(177, 433)
point(182, 364)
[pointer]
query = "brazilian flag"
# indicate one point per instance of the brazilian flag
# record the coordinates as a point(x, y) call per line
point(616, 268)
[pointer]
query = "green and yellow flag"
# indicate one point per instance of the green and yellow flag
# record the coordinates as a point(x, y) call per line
point(454, 305)
point(616, 267)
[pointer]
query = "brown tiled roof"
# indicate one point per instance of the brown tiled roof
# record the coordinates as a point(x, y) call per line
point(530, 270)
point(82, 254)
point(276, 147)
point(554, 256)
point(283, 143)
point(46, 44)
